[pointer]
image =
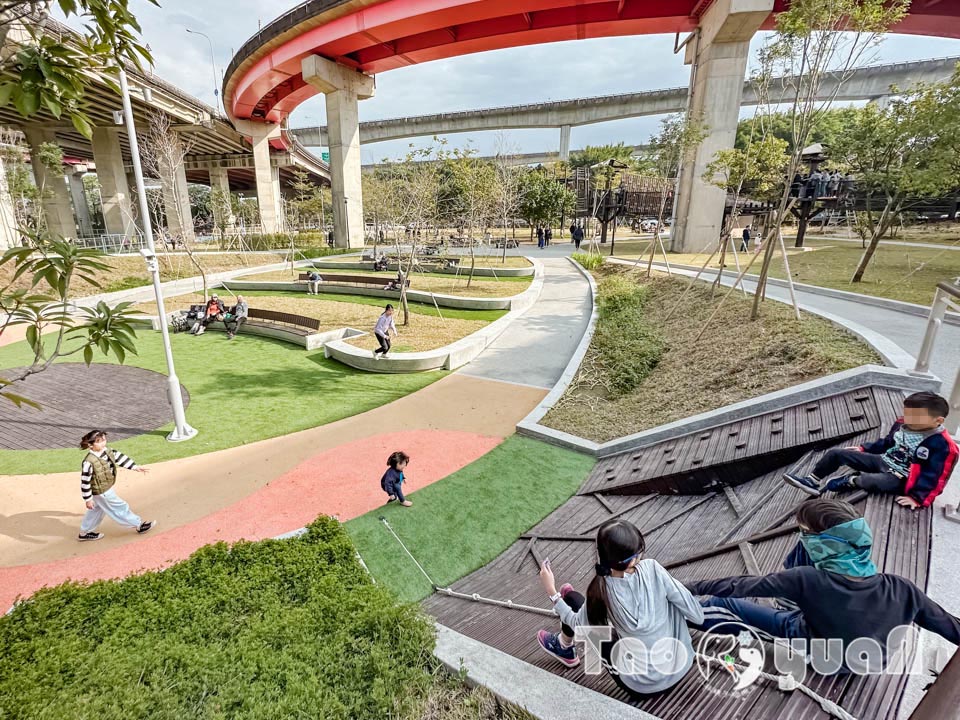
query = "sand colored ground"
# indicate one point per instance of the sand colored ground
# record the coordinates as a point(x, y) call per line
point(440, 284)
point(253, 491)
point(425, 332)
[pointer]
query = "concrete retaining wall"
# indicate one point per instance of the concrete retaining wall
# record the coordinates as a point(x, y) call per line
point(418, 296)
point(448, 357)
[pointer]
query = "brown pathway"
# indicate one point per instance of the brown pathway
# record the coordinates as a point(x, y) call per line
point(724, 530)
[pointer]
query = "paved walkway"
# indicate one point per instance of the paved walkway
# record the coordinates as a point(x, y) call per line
point(900, 243)
point(274, 486)
point(536, 348)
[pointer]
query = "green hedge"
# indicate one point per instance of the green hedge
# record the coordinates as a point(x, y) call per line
point(316, 241)
point(627, 345)
point(273, 629)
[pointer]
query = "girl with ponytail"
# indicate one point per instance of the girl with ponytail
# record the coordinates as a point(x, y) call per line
point(642, 602)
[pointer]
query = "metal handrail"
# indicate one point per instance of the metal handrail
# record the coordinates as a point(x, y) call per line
point(947, 297)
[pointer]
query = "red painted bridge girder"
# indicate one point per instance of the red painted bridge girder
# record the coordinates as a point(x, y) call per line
point(264, 81)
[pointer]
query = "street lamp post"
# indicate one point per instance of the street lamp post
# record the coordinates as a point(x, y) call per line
point(181, 430)
point(213, 64)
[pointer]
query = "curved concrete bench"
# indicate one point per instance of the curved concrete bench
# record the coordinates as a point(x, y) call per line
point(448, 357)
point(309, 341)
point(464, 268)
point(417, 296)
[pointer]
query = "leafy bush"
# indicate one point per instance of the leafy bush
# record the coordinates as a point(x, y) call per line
point(272, 629)
point(588, 261)
point(628, 346)
point(281, 241)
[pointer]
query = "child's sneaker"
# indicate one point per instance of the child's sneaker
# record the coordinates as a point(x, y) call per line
point(145, 526)
point(391, 498)
point(85, 537)
point(407, 503)
point(807, 483)
point(550, 642)
point(844, 483)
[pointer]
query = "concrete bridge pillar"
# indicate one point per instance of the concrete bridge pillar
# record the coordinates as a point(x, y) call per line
point(343, 88)
point(176, 206)
point(220, 181)
point(80, 208)
point(565, 142)
point(9, 237)
point(57, 209)
point(267, 176)
point(718, 59)
point(118, 217)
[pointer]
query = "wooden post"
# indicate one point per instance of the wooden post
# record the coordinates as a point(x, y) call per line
point(942, 700)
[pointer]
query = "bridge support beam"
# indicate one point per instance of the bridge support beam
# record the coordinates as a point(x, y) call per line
point(343, 88)
point(176, 206)
point(80, 207)
point(565, 142)
point(118, 215)
point(718, 59)
point(55, 201)
point(267, 176)
point(223, 206)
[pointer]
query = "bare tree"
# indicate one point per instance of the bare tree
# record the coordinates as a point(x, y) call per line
point(163, 150)
point(506, 189)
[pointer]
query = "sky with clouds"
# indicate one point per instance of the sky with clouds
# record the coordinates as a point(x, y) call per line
point(503, 77)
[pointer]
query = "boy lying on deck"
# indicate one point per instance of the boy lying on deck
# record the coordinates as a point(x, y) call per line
point(835, 587)
point(914, 460)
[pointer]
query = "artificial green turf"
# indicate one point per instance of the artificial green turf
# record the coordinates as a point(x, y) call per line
point(415, 308)
point(464, 521)
point(241, 391)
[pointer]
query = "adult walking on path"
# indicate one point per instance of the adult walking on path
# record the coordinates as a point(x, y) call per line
point(98, 475)
point(745, 243)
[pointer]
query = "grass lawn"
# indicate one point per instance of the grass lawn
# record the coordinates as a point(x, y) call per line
point(462, 522)
point(425, 332)
point(426, 282)
point(902, 273)
point(242, 391)
point(734, 360)
point(273, 629)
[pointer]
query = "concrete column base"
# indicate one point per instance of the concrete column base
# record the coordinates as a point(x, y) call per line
point(176, 206)
point(118, 217)
point(343, 89)
point(55, 199)
point(80, 207)
point(220, 182)
point(565, 142)
point(267, 177)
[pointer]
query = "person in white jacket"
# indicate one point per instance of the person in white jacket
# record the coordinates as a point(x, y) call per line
point(647, 608)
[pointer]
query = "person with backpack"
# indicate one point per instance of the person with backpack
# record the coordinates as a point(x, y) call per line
point(98, 475)
point(642, 603)
point(577, 236)
point(540, 236)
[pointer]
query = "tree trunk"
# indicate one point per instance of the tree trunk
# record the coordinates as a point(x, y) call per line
point(879, 229)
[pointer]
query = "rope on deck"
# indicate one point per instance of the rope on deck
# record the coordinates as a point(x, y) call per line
point(785, 683)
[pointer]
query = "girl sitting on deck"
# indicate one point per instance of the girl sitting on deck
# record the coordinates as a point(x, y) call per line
point(642, 602)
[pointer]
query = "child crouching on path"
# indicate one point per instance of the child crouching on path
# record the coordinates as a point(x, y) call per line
point(98, 474)
point(914, 460)
point(392, 479)
point(641, 601)
point(839, 595)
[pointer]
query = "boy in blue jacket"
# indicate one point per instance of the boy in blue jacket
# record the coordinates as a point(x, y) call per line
point(392, 479)
point(914, 460)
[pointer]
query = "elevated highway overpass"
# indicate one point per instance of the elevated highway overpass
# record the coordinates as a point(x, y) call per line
point(867, 83)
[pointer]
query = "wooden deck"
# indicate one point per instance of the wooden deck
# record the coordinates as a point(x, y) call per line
point(742, 523)
point(122, 400)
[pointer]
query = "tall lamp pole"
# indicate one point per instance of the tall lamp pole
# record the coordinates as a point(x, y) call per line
point(213, 64)
point(181, 430)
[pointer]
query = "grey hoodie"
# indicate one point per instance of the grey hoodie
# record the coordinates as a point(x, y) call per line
point(648, 605)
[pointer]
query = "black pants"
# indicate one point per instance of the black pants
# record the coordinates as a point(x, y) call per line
point(384, 344)
point(233, 325)
point(875, 474)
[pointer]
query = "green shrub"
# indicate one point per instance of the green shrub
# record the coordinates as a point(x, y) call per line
point(588, 261)
point(627, 345)
point(315, 240)
point(272, 629)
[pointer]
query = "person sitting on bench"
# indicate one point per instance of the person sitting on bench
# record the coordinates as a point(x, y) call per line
point(380, 264)
point(313, 282)
point(212, 312)
point(396, 283)
point(236, 317)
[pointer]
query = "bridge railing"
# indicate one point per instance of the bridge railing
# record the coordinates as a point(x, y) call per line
point(946, 298)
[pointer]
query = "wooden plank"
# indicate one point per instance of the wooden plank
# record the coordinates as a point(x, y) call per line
point(734, 500)
point(749, 559)
point(633, 506)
